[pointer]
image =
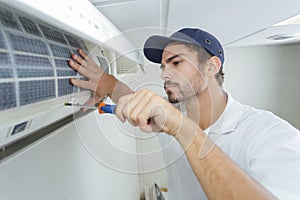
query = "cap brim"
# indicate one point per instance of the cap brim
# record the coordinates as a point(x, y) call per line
point(155, 45)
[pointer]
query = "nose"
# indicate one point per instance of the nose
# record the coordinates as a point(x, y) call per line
point(166, 73)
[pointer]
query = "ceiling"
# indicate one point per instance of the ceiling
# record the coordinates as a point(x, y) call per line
point(234, 22)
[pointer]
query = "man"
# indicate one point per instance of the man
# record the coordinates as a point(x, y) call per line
point(231, 151)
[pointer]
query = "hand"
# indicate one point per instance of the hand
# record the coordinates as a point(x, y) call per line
point(140, 107)
point(98, 81)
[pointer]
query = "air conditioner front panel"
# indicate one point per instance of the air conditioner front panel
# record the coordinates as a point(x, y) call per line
point(34, 73)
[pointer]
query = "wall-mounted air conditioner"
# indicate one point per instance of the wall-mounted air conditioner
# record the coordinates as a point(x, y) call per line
point(36, 40)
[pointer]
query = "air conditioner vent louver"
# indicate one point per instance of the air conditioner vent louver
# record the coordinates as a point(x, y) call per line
point(125, 65)
point(53, 35)
point(7, 95)
point(8, 19)
point(2, 42)
point(5, 59)
point(29, 26)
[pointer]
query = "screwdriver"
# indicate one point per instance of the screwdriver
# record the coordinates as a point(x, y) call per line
point(102, 107)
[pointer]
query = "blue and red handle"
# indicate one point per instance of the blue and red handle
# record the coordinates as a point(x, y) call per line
point(106, 108)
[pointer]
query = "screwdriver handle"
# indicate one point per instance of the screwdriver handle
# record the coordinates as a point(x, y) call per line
point(106, 108)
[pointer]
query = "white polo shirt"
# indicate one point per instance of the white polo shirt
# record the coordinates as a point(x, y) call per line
point(263, 145)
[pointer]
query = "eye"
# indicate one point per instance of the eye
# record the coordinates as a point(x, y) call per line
point(177, 62)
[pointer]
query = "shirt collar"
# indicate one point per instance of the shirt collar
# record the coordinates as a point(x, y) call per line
point(228, 120)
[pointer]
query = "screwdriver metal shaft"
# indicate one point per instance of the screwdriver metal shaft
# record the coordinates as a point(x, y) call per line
point(102, 107)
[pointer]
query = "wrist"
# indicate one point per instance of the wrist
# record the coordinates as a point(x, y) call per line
point(189, 133)
point(112, 83)
point(116, 89)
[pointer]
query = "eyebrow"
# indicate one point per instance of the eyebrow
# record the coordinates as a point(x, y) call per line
point(171, 58)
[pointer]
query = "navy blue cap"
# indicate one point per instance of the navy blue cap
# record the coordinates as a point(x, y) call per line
point(154, 45)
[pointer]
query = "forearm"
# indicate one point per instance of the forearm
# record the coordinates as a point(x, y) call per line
point(219, 176)
point(117, 89)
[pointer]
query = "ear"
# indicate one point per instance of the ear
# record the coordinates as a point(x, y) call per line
point(214, 66)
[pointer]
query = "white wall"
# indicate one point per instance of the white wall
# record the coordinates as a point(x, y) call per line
point(266, 77)
point(75, 162)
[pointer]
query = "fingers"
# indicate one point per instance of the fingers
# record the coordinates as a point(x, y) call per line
point(82, 54)
point(141, 106)
point(87, 69)
point(83, 84)
point(82, 70)
point(82, 62)
point(121, 106)
point(134, 108)
point(137, 110)
point(79, 63)
point(98, 81)
point(80, 59)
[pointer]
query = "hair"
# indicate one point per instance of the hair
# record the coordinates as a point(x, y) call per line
point(204, 56)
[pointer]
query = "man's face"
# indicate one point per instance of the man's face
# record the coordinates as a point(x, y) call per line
point(181, 72)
